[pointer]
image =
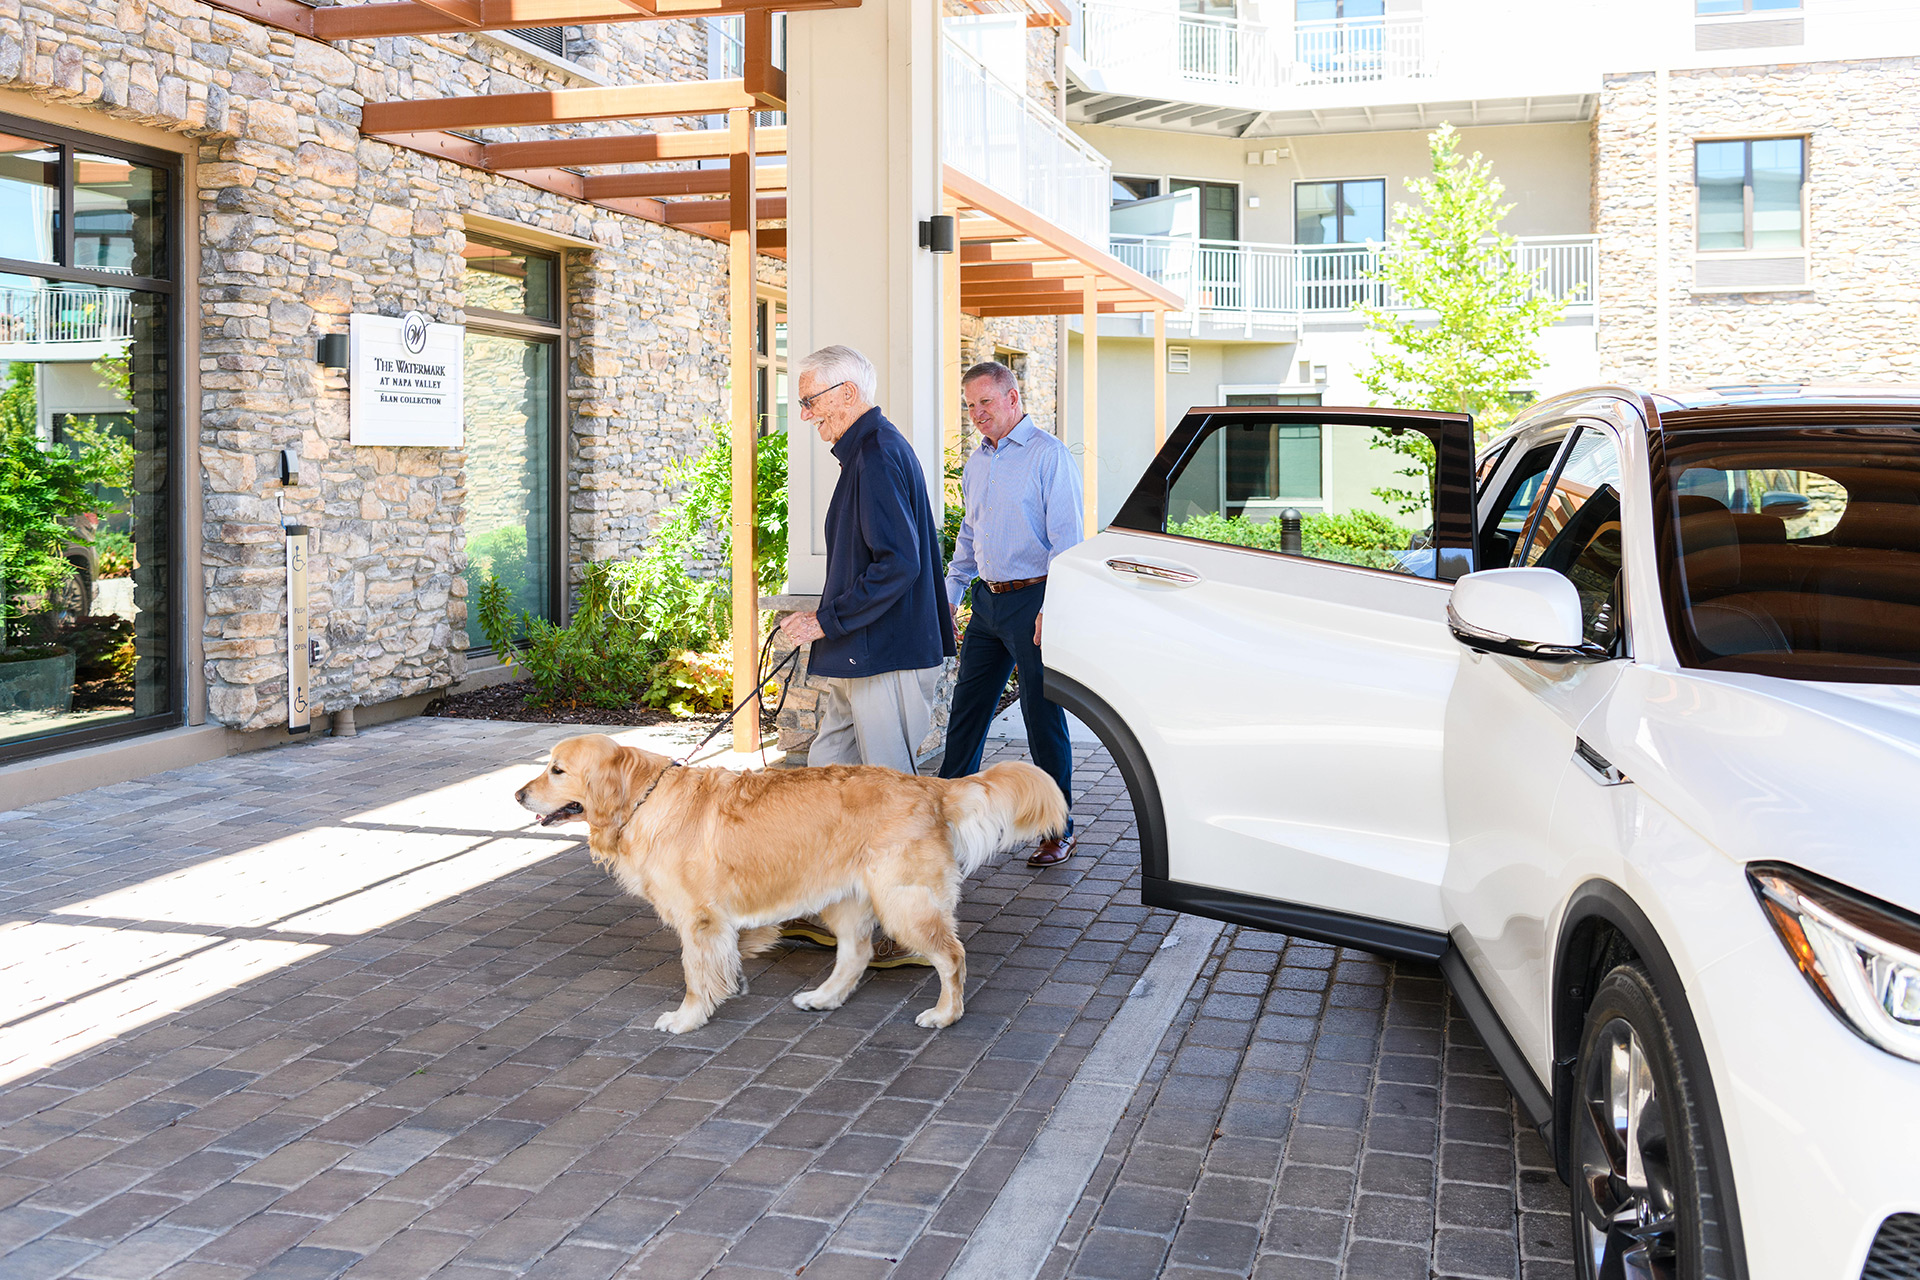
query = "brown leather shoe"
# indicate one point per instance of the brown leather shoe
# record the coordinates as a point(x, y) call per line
point(1052, 852)
point(888, 954)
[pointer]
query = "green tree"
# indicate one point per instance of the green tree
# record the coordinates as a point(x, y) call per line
point(1452, 263)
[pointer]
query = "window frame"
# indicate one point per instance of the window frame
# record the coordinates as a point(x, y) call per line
point(768, 363)
point(1159, 186)
point(1168, 188)
point(182, 417)
point(507, 324)
point(1386, 212)
point(1746, 195)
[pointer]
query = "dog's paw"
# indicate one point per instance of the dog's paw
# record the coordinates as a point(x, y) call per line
point(679, 1022)
point(818, 998)
point(932, 1018)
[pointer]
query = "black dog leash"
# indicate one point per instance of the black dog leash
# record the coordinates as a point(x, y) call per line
point(679, 762)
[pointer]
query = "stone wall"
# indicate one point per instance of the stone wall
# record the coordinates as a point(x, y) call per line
point(303, 222)
point(1855, 319)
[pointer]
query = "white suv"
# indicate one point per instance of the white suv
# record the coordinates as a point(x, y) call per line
point(1619, 725)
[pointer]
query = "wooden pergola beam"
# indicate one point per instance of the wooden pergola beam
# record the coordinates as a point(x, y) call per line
point(465, 12)
point(683, 212)
point(681, 182)
point(765, 82)
point(1062, 269)
point(371, 21)
point(633, 148)
point(556, 106)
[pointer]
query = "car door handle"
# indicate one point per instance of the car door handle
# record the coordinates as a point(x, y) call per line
point(1158, 572)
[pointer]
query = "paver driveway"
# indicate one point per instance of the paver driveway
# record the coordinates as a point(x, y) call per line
point(336, 1009)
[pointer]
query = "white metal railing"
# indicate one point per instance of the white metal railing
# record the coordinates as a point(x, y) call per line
point(1166, 51)
point(1241, 282)
point(65, 315)
point(991, 131)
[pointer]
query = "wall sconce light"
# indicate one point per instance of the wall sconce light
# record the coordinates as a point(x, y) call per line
point(938, 233)
point(333, 351)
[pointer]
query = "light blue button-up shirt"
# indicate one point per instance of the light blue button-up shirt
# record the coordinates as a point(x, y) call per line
point(1022, 499)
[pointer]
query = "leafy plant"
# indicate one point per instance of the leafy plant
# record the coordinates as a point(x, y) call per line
point(688, 683)
point(43, 489)
point(114, 552)
point(501, 553)
point(1364, 538)
point(598, 658)
point(1452, 262)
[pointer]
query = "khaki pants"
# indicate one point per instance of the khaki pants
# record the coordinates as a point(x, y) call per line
point(875, 719)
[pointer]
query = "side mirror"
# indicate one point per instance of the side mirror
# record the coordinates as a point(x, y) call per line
point(1522, 613)
point(1785, 503)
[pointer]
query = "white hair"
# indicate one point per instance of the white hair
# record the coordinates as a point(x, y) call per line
point(836, 364)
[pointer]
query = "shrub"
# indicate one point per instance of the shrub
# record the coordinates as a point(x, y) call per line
point(115, 554)
point(1364, 538)
point(597, 659)
point(687, 683)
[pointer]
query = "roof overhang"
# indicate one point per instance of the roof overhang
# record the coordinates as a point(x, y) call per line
point(1015, 263)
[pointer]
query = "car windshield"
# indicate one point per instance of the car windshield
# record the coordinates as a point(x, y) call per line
point(1797, 552)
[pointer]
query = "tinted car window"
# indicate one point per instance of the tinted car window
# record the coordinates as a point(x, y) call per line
point(1519, 490)
point(1362, 493)
point(1575, 530)
point(1796, 552)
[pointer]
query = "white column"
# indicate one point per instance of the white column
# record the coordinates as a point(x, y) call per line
point(864, 157)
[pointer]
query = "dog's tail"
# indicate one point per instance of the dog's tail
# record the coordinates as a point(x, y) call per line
point(1001, 806)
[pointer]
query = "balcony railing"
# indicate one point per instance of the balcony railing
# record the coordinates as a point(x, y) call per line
point(1160, 50)
point(1275, 284)
point(40, 316)
point(991, 131)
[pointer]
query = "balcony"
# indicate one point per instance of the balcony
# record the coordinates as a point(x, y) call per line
point(64, 325)
point(1280, 286)
point(1145, 64)
point(992, 132)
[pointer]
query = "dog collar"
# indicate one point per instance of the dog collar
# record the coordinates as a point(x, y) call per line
point(671, 764)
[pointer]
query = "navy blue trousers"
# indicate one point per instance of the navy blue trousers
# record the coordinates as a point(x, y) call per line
point(999, 640)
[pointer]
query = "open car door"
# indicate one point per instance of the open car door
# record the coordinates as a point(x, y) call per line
point(1275, 691)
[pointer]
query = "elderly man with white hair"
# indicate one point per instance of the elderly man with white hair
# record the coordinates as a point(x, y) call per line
point(883, 628)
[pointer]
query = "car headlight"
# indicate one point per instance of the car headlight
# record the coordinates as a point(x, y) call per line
point(1861, 955)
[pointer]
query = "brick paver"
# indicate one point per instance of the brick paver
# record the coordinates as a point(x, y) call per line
point(335, 1010)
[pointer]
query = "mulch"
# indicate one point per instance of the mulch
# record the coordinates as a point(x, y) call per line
point(509, 702)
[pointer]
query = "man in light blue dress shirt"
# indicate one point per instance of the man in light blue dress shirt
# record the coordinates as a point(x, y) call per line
point(1021, 490)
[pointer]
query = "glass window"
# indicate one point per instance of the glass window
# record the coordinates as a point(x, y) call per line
point(1575, 529)
point(770, 366)
point(509, 428)
point(1708, 8)
point(1219, 207)
point(29, 199)
point(119, 215)
point(1237, 483)
point(1507, 519)
point(1749, 193)
point(84, 574)
point(1127, 190)
point(1340, 212)
point(1797, 552)
point(509, 280)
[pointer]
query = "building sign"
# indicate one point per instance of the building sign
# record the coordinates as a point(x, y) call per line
point(405, 378)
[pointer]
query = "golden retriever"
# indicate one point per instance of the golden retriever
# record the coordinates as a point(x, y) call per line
point(723, 857)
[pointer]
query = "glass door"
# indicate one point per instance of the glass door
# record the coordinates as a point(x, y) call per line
point(87, 590)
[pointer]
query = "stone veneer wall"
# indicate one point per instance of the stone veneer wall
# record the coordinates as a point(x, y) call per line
point(302, 222)
point(1855, 319)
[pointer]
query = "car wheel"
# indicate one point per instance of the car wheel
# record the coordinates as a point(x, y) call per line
point(1643, 1203)
point(75, 596)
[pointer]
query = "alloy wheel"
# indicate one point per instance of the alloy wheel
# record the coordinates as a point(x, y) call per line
point(1627, 1220)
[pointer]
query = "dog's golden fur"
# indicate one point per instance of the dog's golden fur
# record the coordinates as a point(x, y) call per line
point(723, 857)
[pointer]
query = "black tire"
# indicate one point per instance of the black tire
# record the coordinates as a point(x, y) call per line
point(75, 595)
point(1643, 1184)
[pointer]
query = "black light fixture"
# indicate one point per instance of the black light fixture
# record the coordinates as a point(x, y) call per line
point(333, 350)
point(937, 233)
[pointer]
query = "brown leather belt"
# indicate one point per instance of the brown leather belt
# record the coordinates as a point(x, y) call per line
point(1001, 588)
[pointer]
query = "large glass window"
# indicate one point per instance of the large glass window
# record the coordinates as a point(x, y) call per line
point(86, 440)
point(1707, 8)
point(1796, 551)
point(1349, 212)
point(512, 351)
point(1219, 207)
point(1749, 193)
point(770, 366)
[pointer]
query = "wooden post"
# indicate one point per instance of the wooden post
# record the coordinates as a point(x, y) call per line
point(956, 414)
point(1090, 399)
point(743, 306)
point(1159, 377)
